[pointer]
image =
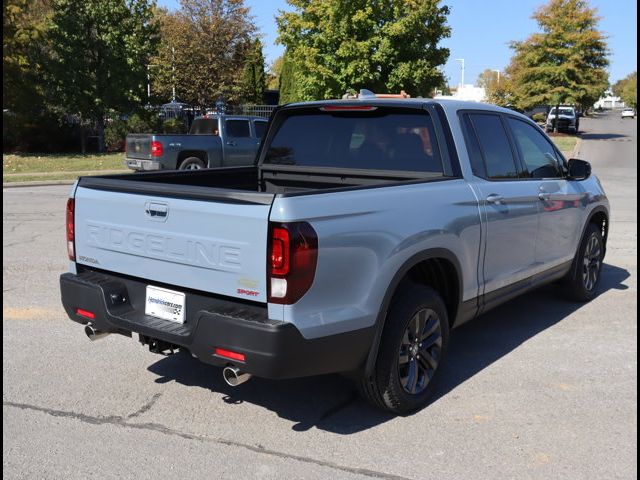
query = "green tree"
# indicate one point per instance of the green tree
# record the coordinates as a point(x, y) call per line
point(288, 82)
point(273, 75)
point(497, 85)
point(382, 45)
point(101, 49)
point(253, 77)
point(563, 64)
point(627, 89)
point(488, 78)
point(24, 54)
point(203, 50)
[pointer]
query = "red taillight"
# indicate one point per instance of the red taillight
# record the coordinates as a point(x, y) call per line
point(71, 229)
point(293, 255)
point(85, 313)
point(229, 354)
point(280, 246)
point(156, 149)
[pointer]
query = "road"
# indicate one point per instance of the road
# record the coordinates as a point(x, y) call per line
point(539, 388)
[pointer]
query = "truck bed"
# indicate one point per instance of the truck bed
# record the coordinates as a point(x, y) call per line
point(251, 184)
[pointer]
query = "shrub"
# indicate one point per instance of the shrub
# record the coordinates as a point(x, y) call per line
point(145, 121)
point(114, 135)
point(539, 117)
point(173, 125)
point(39, 132)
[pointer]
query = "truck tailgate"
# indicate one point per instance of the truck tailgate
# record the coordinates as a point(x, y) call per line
point(139, 145)
point(211, 245)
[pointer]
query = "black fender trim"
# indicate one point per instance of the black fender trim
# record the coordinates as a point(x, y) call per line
point(463, 308)
point(595, 211)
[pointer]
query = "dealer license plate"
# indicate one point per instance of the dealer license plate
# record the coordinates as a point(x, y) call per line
point(165, 304)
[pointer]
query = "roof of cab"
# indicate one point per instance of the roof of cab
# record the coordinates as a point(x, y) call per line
point(451, 106)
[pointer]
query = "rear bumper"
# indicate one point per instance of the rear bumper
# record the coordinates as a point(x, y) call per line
point(139, 164)
point(272, 349)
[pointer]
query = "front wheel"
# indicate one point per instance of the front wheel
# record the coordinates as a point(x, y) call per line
point(584, 278)
point(414, 341)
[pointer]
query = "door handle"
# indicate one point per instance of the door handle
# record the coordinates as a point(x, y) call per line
point(495, 199)
point(231, 144)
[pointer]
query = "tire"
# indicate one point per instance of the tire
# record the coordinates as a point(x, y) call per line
point(405, 371)
point(192, 163)
point(584, 278)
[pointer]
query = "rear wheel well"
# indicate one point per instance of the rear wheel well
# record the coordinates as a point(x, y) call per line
point(182, 156)
point(600, 220)
point(441, 275)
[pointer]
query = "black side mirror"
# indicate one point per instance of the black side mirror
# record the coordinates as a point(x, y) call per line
point(579, 169)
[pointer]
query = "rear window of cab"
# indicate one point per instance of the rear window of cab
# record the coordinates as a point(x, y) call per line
point(381, 139)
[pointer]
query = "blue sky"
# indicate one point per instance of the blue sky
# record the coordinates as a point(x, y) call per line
point(482, 29)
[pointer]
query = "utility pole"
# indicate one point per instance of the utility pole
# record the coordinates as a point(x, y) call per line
point(173, 73)
point(461, 60)
point(498, 72)
point(149, 82)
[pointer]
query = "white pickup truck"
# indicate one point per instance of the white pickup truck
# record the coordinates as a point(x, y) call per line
point(367, 230)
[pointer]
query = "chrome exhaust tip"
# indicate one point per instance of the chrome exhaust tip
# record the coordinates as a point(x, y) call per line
point(234, 377)
point(94, 334)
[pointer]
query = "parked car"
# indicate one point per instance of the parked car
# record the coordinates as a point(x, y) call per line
point(367, 230)
point(568, 119)
point(213, 141)
point(628, 113)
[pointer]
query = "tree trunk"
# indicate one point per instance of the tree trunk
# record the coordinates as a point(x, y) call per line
point(555, 124)
point(100, 129)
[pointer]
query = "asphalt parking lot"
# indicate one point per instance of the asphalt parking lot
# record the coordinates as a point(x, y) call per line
point(539, 388)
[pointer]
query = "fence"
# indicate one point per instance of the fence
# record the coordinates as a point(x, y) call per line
point(257, 110)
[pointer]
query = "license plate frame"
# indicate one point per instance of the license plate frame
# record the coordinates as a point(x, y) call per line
point(165, 304)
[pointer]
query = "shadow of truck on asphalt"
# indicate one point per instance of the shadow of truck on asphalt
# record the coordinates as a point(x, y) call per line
point(602, 136)
point(331, 403)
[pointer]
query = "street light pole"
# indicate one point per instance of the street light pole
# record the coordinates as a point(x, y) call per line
point(149, 82)
point(461, 60)
point(173, 73)
point(498, 72)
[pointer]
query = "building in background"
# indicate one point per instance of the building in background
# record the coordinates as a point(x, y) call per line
point(468, 93)
point(609, 102)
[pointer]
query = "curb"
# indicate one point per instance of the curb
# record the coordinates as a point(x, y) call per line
point(576, 149)
point(37, 184)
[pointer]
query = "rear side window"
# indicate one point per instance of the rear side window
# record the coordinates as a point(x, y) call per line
point(205, 126)
point(261, 128)
point(473, 147)
point(237, 128)
point(536, 151)
point(494, 145)
point(378, 140)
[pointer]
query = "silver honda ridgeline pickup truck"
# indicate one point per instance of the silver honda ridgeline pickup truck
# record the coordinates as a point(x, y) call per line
point(365, 232)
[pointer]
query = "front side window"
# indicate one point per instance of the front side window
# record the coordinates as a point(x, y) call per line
point(377, 140)
point(238, 128)
point(538, 154)
point(261, 128)
point(494, 146)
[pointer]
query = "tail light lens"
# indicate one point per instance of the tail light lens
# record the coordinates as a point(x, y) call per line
point(71, 229)
point(156, 149)
point(293, 255)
